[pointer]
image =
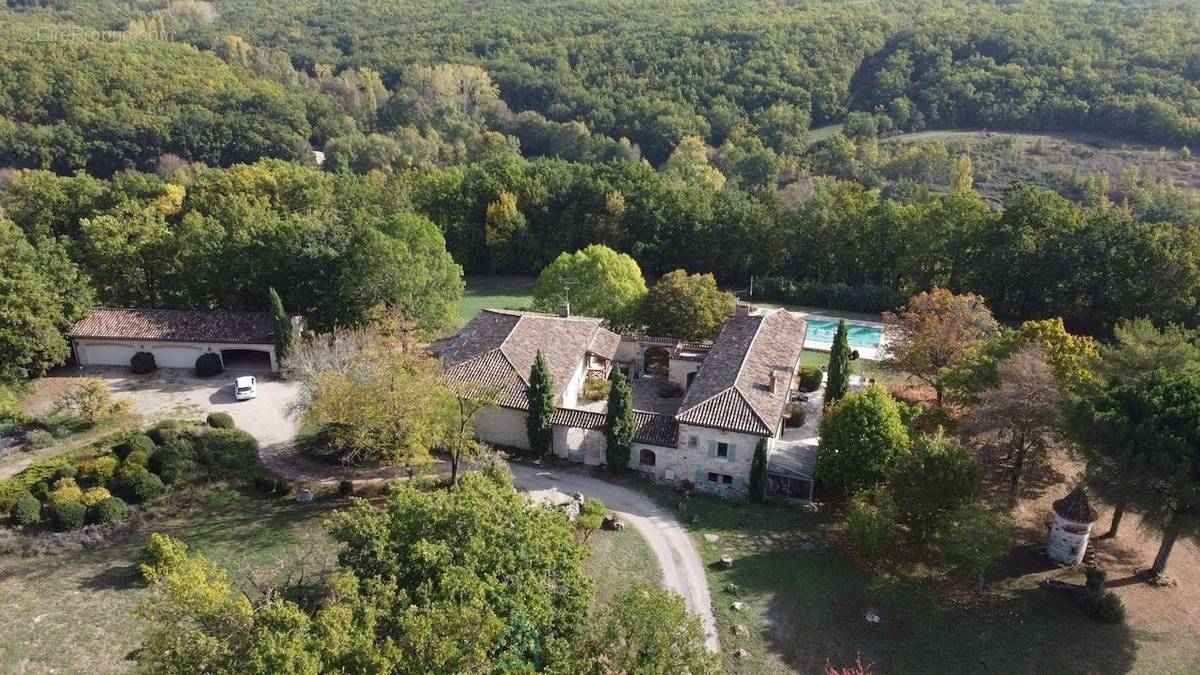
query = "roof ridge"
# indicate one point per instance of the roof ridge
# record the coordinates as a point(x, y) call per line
point(750, 405)
point(500, 348)
point(701, 402)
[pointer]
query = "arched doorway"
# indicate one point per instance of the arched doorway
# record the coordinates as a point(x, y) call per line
point(647, 458)
point(657, 360)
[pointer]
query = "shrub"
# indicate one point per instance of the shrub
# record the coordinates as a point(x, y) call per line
point(591, 516)
point(94, 496)
point(142, 486)
point(227, 452)
point(264, 483)
point(38, 439)
point(810, 378)
point(173, 462)
point(346, 488)
point(135, 443)
point(98, 470)
point(220, 420)
point(796, 416)
point(108, 510)
point(68, 516)
point(143, 363)
point(160, 555)
point(27, 510)
point(66, 471)
point(871, 522)
point(139, 458)
point(40, 490)
point(596, 389)
point(1104, 606)
point(1097, 578)
point(861, 440)
point(209, 364)
point(166, 431)
point(90, 400)
point(65, 490)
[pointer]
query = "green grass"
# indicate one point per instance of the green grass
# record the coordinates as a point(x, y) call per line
point(69, 609)
point(864, 367)
point(619, 561)
point(805, 604)
point(497, 291)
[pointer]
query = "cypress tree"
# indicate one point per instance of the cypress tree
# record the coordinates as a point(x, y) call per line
point(283, 325)
point(838, 380)
point(619, 423)
point(540, 395)
point(758, 473)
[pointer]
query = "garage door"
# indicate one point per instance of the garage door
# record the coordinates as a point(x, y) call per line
point(107, 354)
point(175, 356)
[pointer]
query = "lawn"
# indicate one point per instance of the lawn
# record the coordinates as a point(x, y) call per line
point(619, 560)
point(806, 603)
point(495, 291)
point(863, 367)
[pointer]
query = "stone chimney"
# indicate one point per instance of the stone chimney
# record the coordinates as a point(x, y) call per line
point(773, 383)
point(742, 309)
point(564, 309)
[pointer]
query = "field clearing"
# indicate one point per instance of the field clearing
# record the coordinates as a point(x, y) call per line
point(494, 291)
point(805, 603)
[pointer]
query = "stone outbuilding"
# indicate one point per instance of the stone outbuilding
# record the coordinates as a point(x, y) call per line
point(1073, 518)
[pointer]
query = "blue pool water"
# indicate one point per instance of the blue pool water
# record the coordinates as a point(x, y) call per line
point(823, 330)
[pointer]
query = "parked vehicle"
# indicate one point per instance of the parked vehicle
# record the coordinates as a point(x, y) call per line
point(245, 388)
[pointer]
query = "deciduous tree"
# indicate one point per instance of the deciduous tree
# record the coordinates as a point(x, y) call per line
point(686, 306)
point(935, 331)
point(599, 282)
point(936, 476)
point(1025, 411)
point(861, 440)
point(973, 538)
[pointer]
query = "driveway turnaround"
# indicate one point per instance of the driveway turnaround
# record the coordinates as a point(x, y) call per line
point(682, 569)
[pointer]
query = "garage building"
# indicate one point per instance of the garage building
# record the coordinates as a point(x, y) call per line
point(176, 337)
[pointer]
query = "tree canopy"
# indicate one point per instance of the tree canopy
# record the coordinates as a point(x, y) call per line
point(597, 281)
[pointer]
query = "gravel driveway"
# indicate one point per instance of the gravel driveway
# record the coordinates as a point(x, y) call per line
point(682, 569)
point(170, 393)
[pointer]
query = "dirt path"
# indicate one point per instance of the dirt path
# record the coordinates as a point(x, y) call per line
point(682, 569)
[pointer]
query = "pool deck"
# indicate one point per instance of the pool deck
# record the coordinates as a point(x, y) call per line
point(868, 353)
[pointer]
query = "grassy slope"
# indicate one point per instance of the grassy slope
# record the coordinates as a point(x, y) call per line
point(620, 560)
point(66, 610)
point(498, 291)
point(805, 603)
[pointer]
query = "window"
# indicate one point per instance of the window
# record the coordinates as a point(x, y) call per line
point(647, 458)
point(692, 441)
point(727, 480)
point(720, 478)
point(713, 478)
point(722, 450)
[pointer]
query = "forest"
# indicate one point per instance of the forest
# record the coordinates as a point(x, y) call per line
point(150, 147)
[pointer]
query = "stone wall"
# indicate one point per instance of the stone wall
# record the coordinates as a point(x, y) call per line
point(580, 445)
point(502, 426)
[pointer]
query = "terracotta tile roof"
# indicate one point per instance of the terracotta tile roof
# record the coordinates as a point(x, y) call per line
point(177, 325)
point(732, 388)
point(504, 343)
point(582, 419)
point(655, 429)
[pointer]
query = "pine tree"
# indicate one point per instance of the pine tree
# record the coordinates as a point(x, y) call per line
point(619, 424)
point(758, 473)
point(283, 326)
point(838, 381)
point(540, 395)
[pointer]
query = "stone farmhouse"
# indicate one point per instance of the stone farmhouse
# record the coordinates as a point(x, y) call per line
point(700, 408)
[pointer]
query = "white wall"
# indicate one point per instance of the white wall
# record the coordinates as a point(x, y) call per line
point(570, 395)
point(89, 352)
point(679, 371)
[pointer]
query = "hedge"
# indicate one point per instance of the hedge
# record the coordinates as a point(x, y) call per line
point(12, 489)
point(220, 420)
point(866, 298)
point(227, 452)
point(167, 431)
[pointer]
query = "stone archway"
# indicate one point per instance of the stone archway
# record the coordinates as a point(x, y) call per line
point(646, 458)
point(656, 360)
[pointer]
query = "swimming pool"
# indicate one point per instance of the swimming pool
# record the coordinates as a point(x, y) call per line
point(857, 334)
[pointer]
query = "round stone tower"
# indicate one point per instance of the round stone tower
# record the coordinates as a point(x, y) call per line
point(1073, 518)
